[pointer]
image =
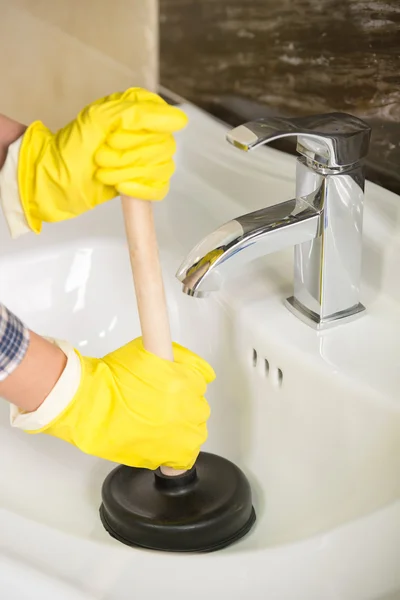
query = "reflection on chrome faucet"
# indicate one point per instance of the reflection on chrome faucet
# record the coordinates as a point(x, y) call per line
point(323, 222)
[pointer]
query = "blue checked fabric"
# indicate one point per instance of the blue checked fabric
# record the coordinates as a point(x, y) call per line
point(14, 342)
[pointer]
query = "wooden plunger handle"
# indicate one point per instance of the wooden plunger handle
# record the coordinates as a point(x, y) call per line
point(148, 282)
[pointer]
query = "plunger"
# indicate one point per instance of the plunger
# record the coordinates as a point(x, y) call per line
point(201, 510)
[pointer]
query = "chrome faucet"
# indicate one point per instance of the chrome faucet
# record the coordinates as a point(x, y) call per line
point(323, 222)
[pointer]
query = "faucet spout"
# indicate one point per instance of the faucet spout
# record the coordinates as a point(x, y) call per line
point(223, 252)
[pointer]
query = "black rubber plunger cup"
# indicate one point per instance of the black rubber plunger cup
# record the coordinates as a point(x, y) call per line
point(201, 510)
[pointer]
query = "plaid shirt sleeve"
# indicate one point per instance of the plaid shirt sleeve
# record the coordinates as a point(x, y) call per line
point(14, 342)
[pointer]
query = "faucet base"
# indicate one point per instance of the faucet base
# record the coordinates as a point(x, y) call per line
point(314, 320)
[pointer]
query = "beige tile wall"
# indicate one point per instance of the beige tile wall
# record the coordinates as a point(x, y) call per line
point(58, 55)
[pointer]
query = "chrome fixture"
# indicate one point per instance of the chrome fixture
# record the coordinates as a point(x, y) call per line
point(323, 222)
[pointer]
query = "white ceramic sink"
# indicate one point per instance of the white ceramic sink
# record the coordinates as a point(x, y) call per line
point(312, 418)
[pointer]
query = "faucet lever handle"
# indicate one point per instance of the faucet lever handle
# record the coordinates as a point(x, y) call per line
point(332, 140)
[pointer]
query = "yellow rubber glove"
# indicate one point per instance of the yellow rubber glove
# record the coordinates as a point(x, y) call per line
point(137, 409)
point(122, 143)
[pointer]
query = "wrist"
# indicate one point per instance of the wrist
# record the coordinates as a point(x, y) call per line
point(59, 398)
point(10, 200)
point(10, 131)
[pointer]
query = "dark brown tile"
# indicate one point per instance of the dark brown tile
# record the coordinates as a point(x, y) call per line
point(290, 57)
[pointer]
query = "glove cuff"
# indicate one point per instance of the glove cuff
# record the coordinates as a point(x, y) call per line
point(10, 199)
point(58, 399)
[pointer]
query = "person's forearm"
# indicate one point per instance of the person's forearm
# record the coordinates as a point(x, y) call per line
point(32, 381)
point(30, 365)
point(10, 131)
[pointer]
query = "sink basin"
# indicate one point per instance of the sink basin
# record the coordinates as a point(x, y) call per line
point(312, 418)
